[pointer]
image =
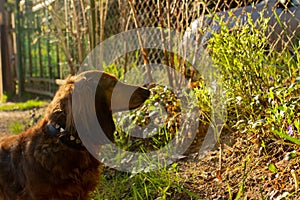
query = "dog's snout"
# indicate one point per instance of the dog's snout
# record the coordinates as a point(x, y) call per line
point(139, 96)
point(128, 97)
point(142, 92)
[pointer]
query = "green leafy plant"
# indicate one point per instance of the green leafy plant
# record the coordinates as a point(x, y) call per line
point(282, 115)
point(262, 87)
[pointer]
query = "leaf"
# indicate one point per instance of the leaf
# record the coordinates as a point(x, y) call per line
point(286, 136)
point(190, 193)
point(272, 168)
point(290, 155)
point(296, 179)
point(258, 122)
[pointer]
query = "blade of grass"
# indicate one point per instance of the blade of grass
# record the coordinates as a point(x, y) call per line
point(287, 137)
point(190, 193)
point(241, 191)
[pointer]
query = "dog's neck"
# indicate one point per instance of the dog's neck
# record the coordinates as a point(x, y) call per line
point(69, 139)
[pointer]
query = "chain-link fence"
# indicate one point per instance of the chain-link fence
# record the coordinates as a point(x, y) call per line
point(181, 15)
point(56, 36)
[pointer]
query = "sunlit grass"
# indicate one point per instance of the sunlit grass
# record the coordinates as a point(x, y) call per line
point(262, 86)
point(16, 127)
point(30, 104)
point(3, 98)
point(158, 184)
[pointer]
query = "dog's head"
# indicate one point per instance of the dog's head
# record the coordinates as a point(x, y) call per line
point(79, 93)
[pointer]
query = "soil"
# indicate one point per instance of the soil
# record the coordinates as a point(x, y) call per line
point(239, 168)
point(245, 170)
point(8, 118)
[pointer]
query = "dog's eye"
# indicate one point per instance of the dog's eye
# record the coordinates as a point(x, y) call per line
point(60, 117)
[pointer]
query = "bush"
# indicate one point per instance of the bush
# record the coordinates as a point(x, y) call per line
point(262, 87)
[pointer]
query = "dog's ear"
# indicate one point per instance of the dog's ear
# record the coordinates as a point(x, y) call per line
point(59, 110)
point(91, 112)
point(104, 114)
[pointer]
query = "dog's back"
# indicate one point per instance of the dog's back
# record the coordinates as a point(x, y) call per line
point(8, 172)
point(34, 166)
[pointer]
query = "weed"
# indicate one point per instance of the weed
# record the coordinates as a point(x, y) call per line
point(16, 127)
point(262, 87)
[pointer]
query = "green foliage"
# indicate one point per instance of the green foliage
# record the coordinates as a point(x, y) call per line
point(282, 115)
point(262, 97)
point(272, 168)
point(3, 98)
point(115, 70)
point(204, 100)
point(162, 109)
point(16, 127)
point(240, 55)
point(262, 87)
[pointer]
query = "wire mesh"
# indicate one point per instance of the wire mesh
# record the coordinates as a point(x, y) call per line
point(77, 27)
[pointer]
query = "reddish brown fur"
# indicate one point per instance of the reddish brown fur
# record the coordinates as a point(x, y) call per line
point(35, 165)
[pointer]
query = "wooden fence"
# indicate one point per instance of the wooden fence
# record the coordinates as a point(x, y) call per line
point(51, 44)
point(41, 60)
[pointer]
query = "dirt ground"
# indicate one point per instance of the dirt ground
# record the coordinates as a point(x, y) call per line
point(241, 169)
point(244, 170)
point(8, 118)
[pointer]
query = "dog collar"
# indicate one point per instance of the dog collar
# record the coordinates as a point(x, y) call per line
point(64, 136)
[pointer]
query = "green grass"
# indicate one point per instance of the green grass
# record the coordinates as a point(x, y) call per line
point(23, 105)
point(159, 184)
point(3, 98)
point(16, 127)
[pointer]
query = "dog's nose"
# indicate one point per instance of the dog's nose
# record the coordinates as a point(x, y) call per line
point(128, 97)
point(142, 93)
point(139, 96)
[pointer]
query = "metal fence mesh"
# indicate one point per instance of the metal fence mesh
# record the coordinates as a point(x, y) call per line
point(57, 35)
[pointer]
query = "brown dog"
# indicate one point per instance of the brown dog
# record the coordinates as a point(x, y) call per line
point(49, 161)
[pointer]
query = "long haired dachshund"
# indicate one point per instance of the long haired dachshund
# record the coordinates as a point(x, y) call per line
point(49, 161)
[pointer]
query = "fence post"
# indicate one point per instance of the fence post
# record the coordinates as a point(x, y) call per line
point(19, 53)
point(7, 50)
point(1, 79)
